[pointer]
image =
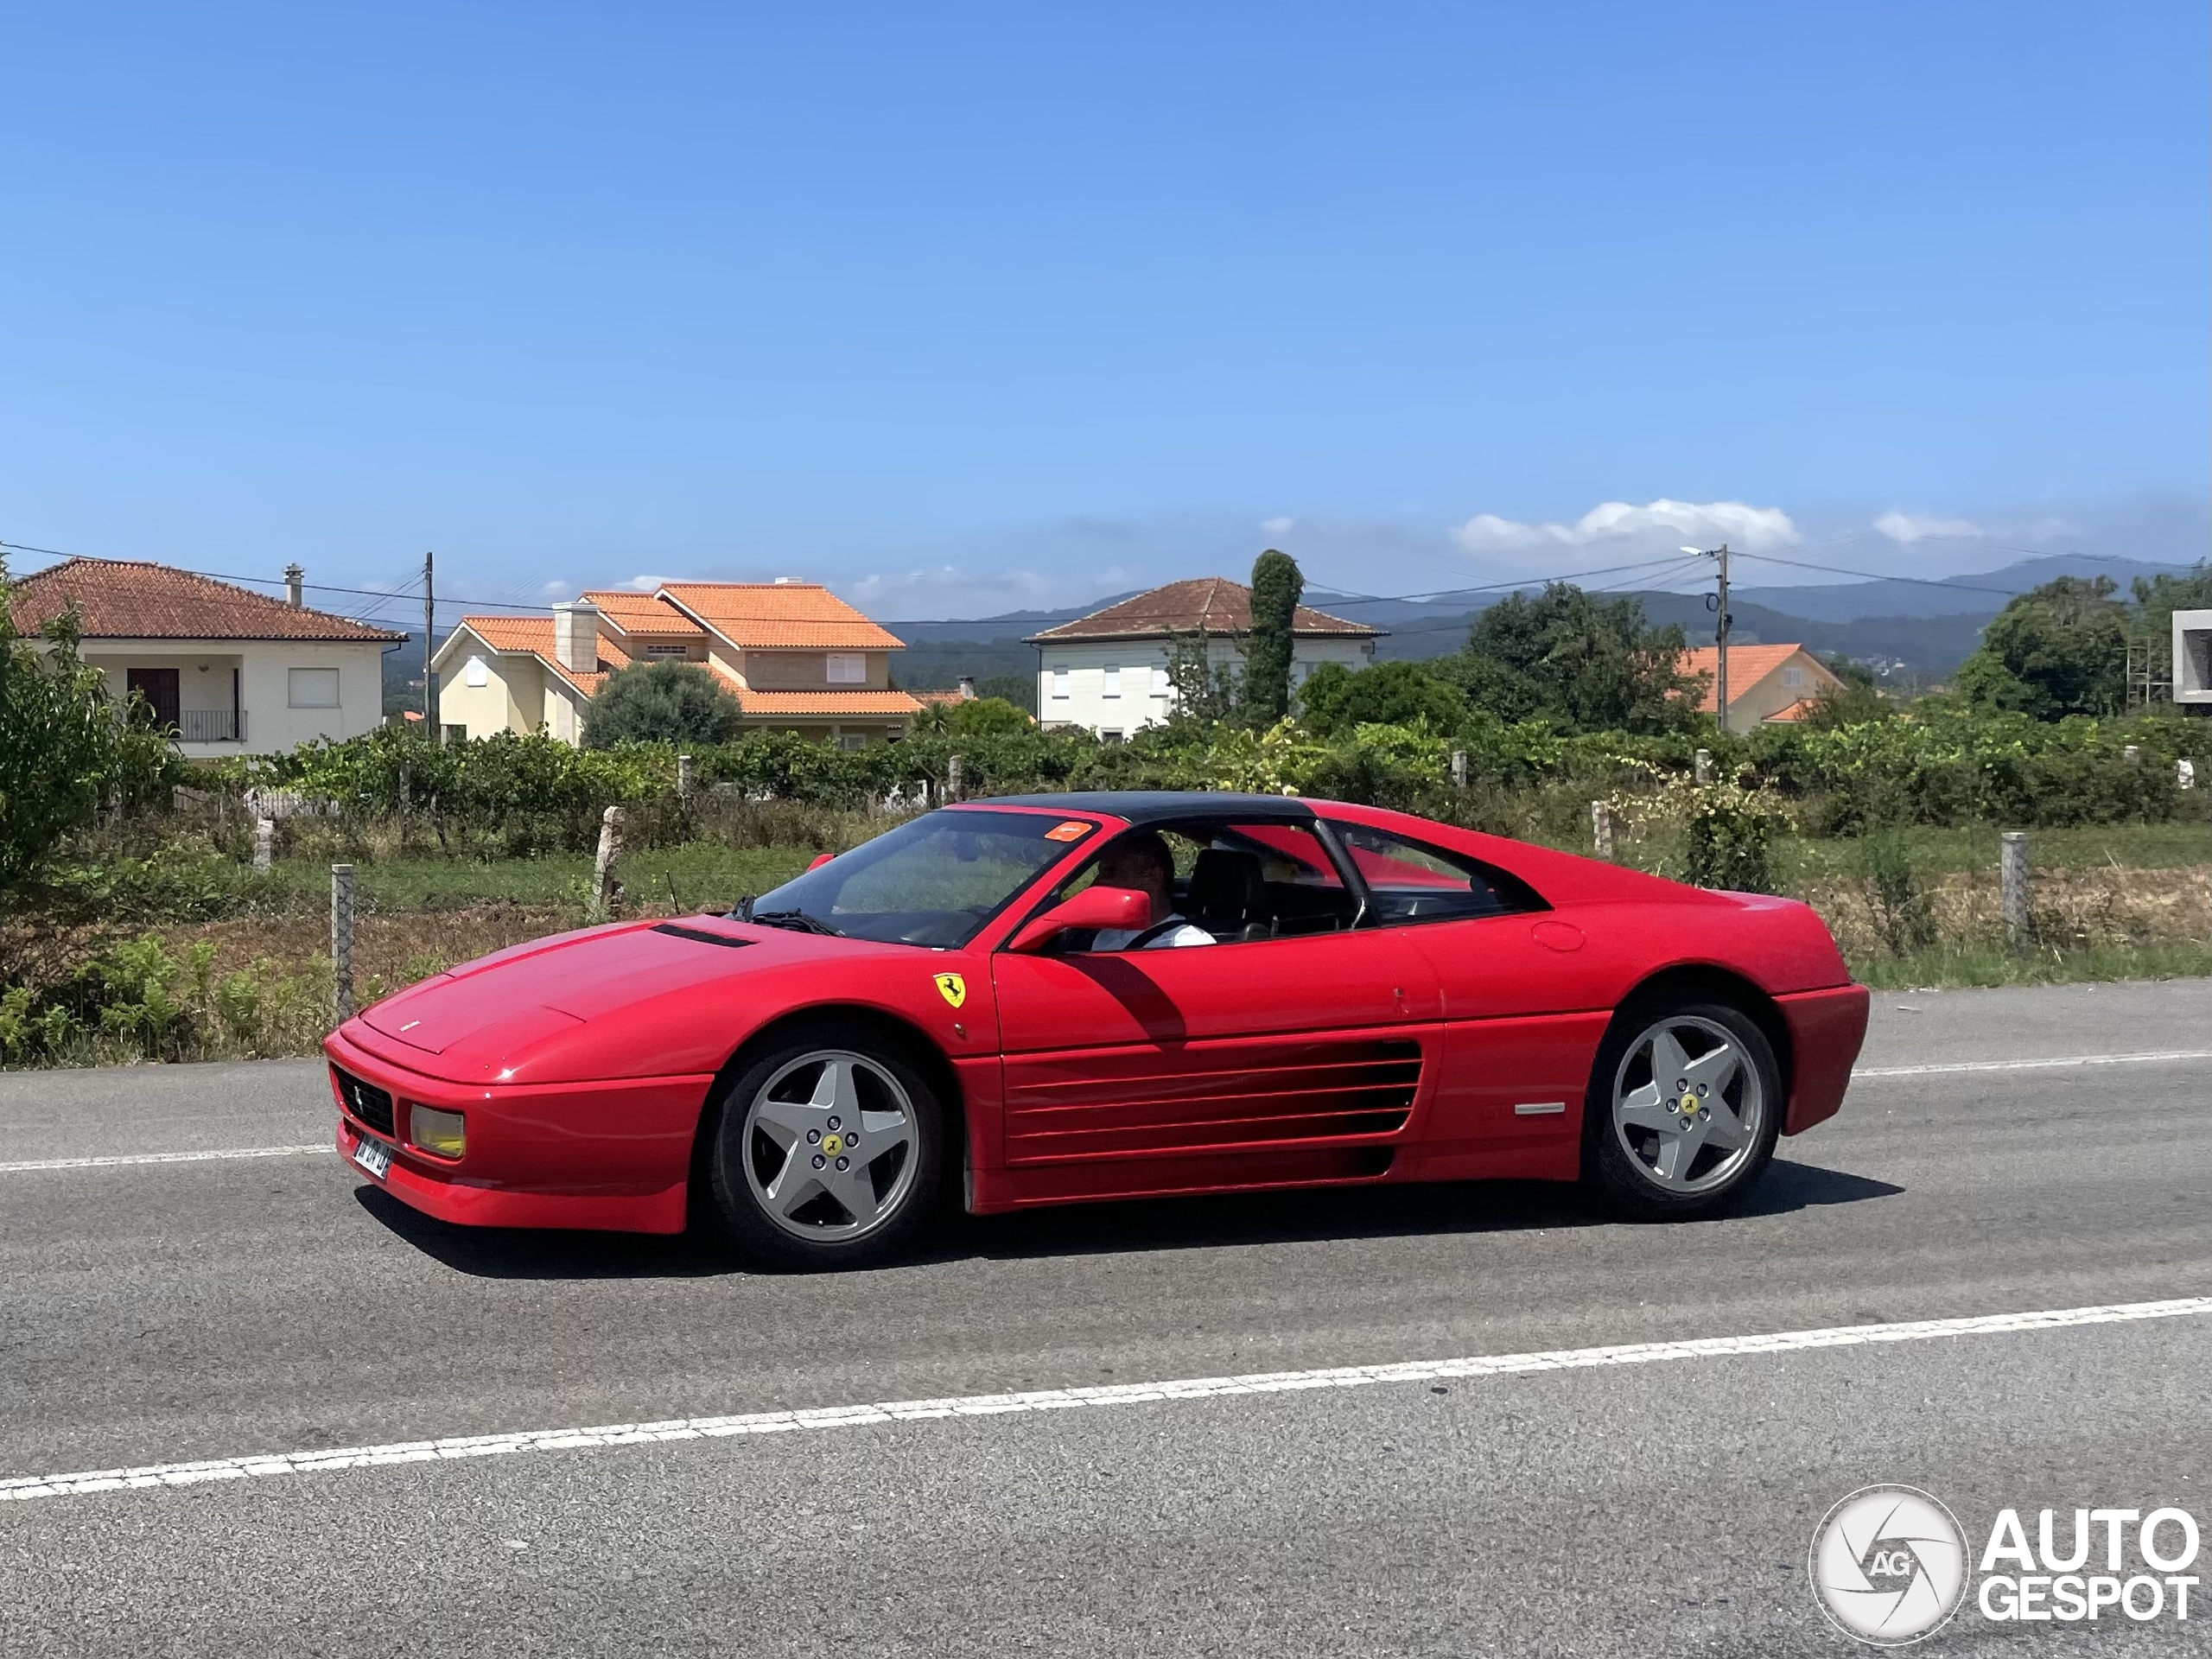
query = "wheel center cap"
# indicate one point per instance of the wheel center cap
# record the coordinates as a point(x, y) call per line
point(1689, 1105)
point(832, 1145)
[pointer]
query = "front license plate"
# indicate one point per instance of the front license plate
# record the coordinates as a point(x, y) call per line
point(374, 1156)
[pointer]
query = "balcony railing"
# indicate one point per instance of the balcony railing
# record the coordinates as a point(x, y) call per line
point(211, 726)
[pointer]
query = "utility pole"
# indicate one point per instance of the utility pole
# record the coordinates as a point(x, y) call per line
point(1719, 606)
point(429, 644)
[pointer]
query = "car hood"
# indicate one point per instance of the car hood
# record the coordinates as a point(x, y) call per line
point(594, 1004)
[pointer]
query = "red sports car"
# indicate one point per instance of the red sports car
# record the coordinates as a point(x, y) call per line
point(1042, 1000)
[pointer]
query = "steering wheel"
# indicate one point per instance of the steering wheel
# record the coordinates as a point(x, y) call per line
point(1155, 932)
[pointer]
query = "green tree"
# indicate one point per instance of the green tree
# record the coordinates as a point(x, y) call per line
point(1277, 586)
point(1206, 692)
point(2156, 599)
point(2058, 650)
point(663, 703)
point(1591, 664)
point(1336, 699)
point(977, 717)
point(1019, 690)
point(63, 750)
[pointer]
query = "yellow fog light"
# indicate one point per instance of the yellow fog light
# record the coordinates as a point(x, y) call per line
point(436, 1132)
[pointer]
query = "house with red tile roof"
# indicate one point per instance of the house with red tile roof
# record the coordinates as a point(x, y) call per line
point(1768, 685)
point(229, 670)
point(1108, 672)
point(796, 657)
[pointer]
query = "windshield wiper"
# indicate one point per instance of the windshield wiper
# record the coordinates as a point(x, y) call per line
point(798, 920)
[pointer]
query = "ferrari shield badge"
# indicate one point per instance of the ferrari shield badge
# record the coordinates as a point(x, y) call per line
point(953, 988)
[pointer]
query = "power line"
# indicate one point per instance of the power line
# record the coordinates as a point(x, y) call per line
point(1869, 576)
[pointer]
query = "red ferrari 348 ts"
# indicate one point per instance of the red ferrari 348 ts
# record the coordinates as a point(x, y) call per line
point(1044, 1000)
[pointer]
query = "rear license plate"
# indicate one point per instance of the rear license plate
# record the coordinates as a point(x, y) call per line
point(374, 1156)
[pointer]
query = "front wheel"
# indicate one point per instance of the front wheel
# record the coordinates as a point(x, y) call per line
point(1684, 1106)
point(828, 1153)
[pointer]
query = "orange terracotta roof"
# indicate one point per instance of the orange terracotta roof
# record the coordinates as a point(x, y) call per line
point(790, 615)
point(1205, 605)
point(534, 635)
point(1797, 711)
point(1747, 666)
point(635, 613)
point(135, 599)
point(872, 705)
point(941, 699)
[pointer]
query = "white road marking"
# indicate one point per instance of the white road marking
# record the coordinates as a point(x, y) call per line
point(2153, 1057)
point(1121, 1394)
point(161, 1158)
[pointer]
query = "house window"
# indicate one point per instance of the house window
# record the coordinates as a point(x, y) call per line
point(677, 653)
point(847, 668)
point(1113, 688)
point(1110, 734)
point(852, 740)
point(312, 688)
point(476, 673)
point(1160, 682)
point(1793, 675)
point(1059, 683)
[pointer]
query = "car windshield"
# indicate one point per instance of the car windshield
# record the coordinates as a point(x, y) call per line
point(932, 882)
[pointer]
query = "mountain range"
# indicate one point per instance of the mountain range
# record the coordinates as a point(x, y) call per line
point(1913, 628)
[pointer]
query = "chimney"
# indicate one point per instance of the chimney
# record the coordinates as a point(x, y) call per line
point(575, 637)
point(967, 688)
point(295, 593)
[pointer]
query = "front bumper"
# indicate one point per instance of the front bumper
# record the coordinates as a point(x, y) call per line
point(603, 1156)
point(1826, 1030)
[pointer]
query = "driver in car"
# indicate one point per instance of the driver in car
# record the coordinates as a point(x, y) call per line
point(1143, 861)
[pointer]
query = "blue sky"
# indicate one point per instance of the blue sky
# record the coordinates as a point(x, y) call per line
point(962, 308)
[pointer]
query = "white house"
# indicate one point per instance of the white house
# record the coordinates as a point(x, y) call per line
point(796, 655)
point(231, 671)
point(1108, 672)
point(2193, 657)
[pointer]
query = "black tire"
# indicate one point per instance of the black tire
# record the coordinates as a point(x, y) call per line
point(1627, 1177)
point(908, 1184)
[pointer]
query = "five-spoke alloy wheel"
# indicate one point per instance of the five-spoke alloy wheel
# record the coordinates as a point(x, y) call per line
point(828, 1151)
point(1685, 1102)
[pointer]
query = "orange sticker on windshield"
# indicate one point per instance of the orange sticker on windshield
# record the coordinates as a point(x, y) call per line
point(1073, 830)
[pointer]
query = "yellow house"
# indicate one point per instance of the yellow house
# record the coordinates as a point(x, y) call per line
point(1767, 685)
point(797, 657)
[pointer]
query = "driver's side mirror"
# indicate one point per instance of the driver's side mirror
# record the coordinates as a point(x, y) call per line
point(1095, 907)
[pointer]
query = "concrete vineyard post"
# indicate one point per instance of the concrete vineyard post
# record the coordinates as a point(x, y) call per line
point(1601, 829)
point(2012, 873)
point(606, 889)
point(342, 943)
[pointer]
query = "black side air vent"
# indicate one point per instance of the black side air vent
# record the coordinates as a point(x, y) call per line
point(677, 930)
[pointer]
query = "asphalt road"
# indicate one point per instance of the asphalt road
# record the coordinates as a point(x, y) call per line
point(157, 1312)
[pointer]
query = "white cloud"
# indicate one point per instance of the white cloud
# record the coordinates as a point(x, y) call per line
point(1660, 526)
point(555, 588)
point(1278, 526)
point(1906, 527)
point(649, 584)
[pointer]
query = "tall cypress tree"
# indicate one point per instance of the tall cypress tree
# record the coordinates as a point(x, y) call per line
point(1277, 586)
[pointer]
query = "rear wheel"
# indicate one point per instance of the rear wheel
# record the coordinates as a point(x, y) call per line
point(1684, 1105)
point(828, 1151)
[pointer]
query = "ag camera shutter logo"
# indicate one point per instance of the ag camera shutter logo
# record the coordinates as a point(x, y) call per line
point(1889, 1566)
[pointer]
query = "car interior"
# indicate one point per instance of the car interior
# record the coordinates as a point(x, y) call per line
point(1247, 882)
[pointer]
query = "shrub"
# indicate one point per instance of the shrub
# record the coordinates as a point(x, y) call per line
point(64, 748)
point(661, 702)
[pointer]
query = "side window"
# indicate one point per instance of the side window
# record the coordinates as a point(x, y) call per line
point(1409, 881)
